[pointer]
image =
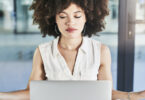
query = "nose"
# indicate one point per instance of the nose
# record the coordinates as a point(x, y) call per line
point(70, 21)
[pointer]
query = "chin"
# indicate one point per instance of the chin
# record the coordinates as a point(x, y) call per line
point(74, 36)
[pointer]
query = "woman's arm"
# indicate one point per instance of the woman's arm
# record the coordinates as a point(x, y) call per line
point(17, 95)
point(105, 74)
point(36, 74)
point(124, 95)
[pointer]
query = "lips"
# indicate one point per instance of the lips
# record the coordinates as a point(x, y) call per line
point(71, 29)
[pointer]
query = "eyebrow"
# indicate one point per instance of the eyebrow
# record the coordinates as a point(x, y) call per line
point(74, 12)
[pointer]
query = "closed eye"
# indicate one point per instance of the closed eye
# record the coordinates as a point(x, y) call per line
point(62, 17)
point(78, 16)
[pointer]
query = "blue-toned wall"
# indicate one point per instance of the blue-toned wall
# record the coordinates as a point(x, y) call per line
point(14, 75)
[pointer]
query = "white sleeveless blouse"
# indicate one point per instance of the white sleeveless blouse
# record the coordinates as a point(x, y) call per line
point(86, 66)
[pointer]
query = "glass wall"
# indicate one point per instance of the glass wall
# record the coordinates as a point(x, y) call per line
point(21, 17)
point(24, 17)
point(139, 79)
point(6, 16)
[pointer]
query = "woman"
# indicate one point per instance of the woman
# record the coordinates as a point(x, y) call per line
point(72, 55)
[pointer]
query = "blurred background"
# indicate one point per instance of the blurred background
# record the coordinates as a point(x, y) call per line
point(19, 38)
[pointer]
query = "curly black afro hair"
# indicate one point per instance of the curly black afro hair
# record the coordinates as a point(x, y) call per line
point(45, 12)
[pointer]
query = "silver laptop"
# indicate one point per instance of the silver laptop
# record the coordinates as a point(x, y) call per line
point(70, 90)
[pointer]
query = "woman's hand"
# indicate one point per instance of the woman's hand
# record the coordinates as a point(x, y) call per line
point(137, 95)
point(142, 94)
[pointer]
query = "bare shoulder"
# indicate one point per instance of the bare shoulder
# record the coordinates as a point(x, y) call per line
point(38, 72)
point(105, 54)
point(104, 49)
point(105, 64)
point(37, 56)
point(37, 51)
point(37, 60)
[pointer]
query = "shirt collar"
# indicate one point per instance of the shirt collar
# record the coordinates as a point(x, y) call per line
point(54, 46)
point(84, 46)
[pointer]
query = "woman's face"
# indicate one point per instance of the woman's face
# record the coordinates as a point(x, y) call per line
point(71, 21)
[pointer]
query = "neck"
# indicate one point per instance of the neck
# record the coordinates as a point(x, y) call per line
point(70, 44)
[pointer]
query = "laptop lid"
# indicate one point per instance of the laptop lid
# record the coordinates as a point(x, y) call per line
point(70, 90)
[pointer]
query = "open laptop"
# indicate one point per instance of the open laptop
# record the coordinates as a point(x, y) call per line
point(70, 90)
